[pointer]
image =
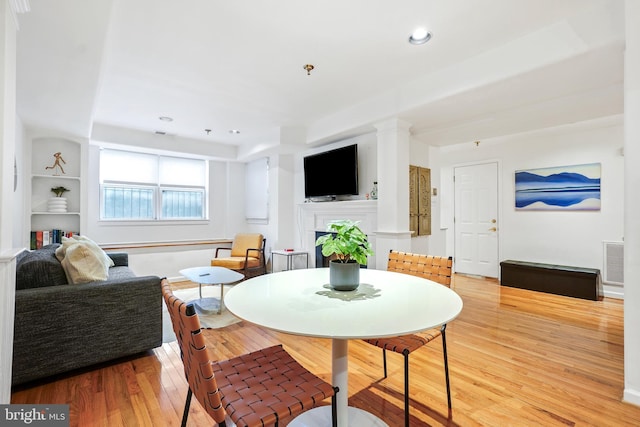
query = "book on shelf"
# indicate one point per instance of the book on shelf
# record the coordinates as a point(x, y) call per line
point(40, 238)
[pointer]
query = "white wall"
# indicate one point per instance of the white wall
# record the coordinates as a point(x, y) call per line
point(19, 204)
point(367, 165)
point(561, 237)
point(632, 220)
point(166, 261)
point(7, 228)
point(110, 232)
point(367, 174)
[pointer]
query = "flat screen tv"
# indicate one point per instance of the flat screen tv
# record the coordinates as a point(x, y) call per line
point(331, 173)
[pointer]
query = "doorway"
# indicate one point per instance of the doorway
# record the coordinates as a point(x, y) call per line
point(476, 219)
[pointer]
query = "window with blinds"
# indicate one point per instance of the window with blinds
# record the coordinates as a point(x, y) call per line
point(149, 187)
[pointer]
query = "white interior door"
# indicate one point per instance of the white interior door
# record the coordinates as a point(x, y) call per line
point(476, 219)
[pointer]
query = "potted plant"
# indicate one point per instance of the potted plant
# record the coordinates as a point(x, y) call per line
point(350, 248)
point(59, 191)
point(58, 204)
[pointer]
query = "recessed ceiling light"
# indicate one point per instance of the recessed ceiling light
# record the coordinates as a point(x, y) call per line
point(234, 131)
point(166, 118)
point(420, 36)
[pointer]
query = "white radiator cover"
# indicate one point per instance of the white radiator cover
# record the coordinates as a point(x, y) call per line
point(613, 263)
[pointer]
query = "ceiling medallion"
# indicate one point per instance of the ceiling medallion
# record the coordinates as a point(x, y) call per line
point(308, 68)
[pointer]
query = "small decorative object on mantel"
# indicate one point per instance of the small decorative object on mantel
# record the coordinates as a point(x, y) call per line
point(348, 244)
point(374, 191)
point(56, 164)
point(57, 204)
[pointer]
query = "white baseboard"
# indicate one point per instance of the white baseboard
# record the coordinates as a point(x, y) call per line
point(631, 396)
point(613, 291)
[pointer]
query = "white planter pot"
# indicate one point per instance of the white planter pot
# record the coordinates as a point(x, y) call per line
point(57, 205)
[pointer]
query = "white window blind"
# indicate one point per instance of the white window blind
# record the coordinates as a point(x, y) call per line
point(257, 190)
point(142, 186)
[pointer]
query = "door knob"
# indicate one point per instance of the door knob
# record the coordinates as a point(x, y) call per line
point(493, 229)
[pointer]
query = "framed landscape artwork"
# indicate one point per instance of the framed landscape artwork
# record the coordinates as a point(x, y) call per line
point(559, 188)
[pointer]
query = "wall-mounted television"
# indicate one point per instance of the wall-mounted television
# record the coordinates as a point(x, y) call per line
point(331, 173)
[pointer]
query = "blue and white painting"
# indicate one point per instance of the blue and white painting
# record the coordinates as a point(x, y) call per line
point(559, 188)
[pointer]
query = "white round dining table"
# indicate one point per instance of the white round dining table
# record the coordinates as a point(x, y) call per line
point(301, 302)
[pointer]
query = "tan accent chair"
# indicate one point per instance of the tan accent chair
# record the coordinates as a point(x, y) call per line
point(246, 255)
point(437, 269)
point(264, 387)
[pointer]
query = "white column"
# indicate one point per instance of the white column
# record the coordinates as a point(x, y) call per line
point(393, 189)
point(632, 204)
point(7, 150)
point(7, 120)
point(7, 312)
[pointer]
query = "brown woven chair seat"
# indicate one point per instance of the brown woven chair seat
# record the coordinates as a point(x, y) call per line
point(405, 343)
point(255, 387)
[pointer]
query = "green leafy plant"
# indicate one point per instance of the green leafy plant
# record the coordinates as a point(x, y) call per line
point(59, 191)
point(346, 240)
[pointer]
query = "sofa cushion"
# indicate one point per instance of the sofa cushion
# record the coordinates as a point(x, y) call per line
point(120, 273)
point(235, 262)
point(41, 268)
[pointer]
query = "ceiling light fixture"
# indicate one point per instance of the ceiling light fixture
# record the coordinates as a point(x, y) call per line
point(165, 118)
point(308, 68)
point(420, 36)
point(234, 131)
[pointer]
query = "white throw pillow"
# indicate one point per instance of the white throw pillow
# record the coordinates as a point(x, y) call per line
point(90, 244)
point(83, 260)
point(82, 265)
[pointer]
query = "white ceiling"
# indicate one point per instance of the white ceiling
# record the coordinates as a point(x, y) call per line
point(493, 67)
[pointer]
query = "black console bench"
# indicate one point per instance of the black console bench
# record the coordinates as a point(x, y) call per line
point(555, 279)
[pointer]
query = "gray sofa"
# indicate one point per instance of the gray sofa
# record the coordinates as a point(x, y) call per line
point(60, 327)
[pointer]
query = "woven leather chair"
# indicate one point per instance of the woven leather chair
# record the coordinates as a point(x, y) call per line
point(246, 255)
point(437, 269)
point(256, 389)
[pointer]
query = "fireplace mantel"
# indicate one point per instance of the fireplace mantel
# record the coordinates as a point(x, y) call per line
point(316, 216)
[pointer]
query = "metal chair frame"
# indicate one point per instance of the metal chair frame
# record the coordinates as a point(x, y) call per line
point(429, 267)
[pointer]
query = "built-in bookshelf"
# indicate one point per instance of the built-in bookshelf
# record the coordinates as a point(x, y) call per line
point(55, 162)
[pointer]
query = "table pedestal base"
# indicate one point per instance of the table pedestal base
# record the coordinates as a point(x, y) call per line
point(207, 305)
point(321, 416)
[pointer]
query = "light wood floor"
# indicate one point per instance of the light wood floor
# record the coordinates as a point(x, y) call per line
point(517, 358)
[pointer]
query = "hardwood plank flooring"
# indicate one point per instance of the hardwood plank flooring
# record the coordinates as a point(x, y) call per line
point(516, 357)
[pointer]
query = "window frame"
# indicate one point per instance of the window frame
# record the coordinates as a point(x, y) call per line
point(157, 192)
